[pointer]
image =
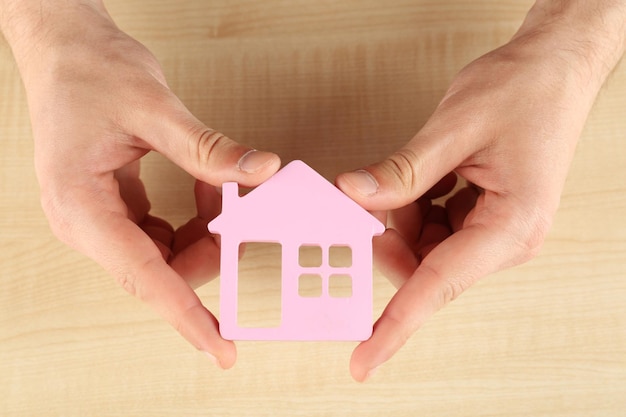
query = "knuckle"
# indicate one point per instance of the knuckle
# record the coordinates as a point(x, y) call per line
point(527, 229)
point(129, 276)
point(404, 167)
point(451, 290)
point(180, 321)
point(535, 229)
point(401, 325)
point(448, 288)
point(127, 281)
point(406, 327)
point(56, 212)
point(205, 143)
point(518, 227)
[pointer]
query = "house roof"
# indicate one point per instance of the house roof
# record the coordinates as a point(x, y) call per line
point(295, 202)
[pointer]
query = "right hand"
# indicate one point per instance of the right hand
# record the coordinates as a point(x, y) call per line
point(508, 124)
point(98, 102)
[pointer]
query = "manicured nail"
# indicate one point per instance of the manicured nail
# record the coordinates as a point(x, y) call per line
point(253, 161)
point(213, 359)
point(363, 181)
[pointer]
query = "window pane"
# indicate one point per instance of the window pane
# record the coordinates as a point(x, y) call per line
point(340, 256)
point(310, 285)
point(310, 256)
point(340, 285)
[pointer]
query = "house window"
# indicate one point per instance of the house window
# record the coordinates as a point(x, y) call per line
point(310, 256)
point(310, 285)
point(340, 256)
point(340, 286)
point(325, 266)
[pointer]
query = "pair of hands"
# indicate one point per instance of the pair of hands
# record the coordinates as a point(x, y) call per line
point(508, 125)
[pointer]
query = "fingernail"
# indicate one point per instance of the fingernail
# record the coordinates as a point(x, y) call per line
point(213, 359)
point(363, 181)
point(371, 373)
point(253, 161)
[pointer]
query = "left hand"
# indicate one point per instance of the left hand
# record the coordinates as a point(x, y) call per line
point(189, 250)
point(99, 102)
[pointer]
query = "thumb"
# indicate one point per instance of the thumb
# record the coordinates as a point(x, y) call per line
point(452, 267)
point(207, 154)
point(408, 173)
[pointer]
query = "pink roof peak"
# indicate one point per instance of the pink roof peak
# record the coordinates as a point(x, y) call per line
point(297, 201)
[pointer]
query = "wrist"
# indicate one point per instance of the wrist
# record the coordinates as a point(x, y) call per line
point(589, 35)
point(34, 28)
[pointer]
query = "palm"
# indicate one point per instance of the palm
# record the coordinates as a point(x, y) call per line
point(190, 250)
point(416, 229)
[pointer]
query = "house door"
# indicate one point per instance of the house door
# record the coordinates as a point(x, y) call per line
point(259, 289)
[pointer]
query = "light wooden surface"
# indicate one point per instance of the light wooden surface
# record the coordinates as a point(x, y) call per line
point(337, 84)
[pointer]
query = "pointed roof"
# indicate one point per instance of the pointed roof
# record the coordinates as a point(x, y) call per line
point(296, 201)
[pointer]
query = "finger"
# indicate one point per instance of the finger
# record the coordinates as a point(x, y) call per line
point(132, 191)
point(380, 215)
point(393, 257)
point(439, 148)
point(432, 235)
point(208, 201)
point(199, 262)
point(159, 229)
point(167, 126)
point(122, 248)
point(434, 230)
point(189, 233)
point(208, 206)
point(459, 206)
point(451, 267)
point(161, 233)
point(142, 271)
point(196, 252)
point(408, 220)
point(443, 187)
point(437, 214)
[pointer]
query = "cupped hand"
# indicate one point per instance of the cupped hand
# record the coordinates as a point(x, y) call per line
point(508, 125)
point(99, 102)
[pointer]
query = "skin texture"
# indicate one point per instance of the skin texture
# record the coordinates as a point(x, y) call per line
point(98, 103)
point(508, 125)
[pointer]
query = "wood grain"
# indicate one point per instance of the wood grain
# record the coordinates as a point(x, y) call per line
point(338, 84)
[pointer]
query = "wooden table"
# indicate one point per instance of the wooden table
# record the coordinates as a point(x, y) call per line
point(337, 84)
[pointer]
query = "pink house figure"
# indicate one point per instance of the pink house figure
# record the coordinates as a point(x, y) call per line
point(300, 209)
